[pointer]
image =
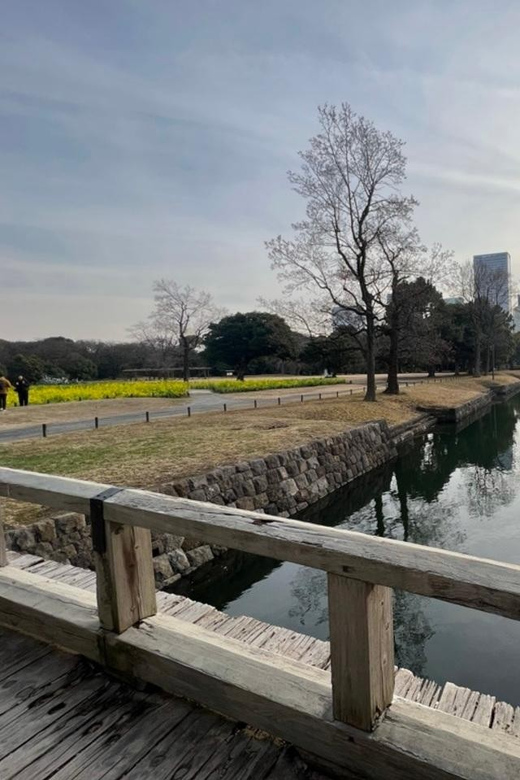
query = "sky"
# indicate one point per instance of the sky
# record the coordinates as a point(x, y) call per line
point(142, 139)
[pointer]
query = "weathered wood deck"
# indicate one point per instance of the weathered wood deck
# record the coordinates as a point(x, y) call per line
point(64, 718)
point(461, 702)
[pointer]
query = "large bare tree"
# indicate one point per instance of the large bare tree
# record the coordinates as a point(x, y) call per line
point(180, 319)
point(350, 178)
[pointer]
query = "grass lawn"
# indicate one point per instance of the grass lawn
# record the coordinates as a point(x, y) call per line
point(141, 455)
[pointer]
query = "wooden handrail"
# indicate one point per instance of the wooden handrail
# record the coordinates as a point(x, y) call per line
point(361, 569)
point(479, 583)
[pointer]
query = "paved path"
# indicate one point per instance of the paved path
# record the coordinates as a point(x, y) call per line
point(202, 401)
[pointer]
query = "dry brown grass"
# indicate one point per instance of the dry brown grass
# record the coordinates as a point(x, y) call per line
point(142, 455)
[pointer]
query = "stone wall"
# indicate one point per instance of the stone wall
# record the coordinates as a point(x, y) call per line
point(287, 482)
point(280, 484)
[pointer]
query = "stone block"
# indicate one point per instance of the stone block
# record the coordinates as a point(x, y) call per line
point(272, 461)
point(258, 466)
point(45, 530)
point(200, 555)
point(70, 551)
point(162, 569)
point(68, 523)
point(45, 550)
point(24, 539)
point(260, 484)
point(179, 561)
point(245, 502)
point(273, 476)
point(198, 495)
point(292, 468)
point(290, 487)
point(261, 500)
point(248, 488)
point(197, 483)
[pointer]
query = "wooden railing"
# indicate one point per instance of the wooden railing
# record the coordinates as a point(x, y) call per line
point(362, 570)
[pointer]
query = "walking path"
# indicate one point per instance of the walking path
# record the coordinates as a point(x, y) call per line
point(200, 401)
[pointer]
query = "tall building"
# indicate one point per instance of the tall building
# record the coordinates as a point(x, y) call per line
point(495, 268)
point(516, 315)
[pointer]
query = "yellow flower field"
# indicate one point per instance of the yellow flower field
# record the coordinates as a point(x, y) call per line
point(160, 388)
point(97, 391)
point(232, 386)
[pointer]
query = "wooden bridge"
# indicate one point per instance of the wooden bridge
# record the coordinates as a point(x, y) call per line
point(344, 707)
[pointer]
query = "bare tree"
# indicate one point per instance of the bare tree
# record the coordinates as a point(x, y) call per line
point(180, 318)
point(350, 178)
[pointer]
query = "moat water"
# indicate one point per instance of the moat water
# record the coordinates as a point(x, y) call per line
point(455, 489)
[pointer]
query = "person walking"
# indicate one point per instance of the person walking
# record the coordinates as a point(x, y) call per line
point(5, 386)
point(22, 388)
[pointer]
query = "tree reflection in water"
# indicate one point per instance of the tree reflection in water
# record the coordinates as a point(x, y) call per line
point(442, 492)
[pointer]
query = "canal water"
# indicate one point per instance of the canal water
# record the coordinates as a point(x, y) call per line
point(458, 489)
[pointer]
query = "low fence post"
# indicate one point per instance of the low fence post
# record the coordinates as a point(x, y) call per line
point(96, 422)
point(3, 550)
point(44, 430)
point(124, 569)
point(362, 650)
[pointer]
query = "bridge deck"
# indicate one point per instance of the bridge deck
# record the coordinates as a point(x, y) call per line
point(455, 700)
point(62, 717)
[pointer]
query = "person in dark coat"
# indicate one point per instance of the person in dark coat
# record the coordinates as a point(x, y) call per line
point(22, 388)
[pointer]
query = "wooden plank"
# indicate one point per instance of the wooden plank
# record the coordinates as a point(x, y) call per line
point(503, 717)
point(283, 697)
point(361, 650)
point(484, 710)
point(479, 583)
point(474, 582)
point(124, 572)
point(50, 611)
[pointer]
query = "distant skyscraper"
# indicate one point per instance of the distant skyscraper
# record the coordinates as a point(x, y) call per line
point(516, 315)
point(498, 266)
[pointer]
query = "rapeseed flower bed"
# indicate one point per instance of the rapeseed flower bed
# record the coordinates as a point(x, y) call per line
point(97, 391)
point(161, 388)
point(233, 386)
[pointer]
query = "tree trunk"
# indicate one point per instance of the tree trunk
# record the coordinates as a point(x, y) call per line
point(371, 359)
point(431, 372)
point(241, 372)
point(392, 384)
point(488, 361)
point(186, 360)
point(478, 357)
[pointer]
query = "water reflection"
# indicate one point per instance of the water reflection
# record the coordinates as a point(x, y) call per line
point(456, 488)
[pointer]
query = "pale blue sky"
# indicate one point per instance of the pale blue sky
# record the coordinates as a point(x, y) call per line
point(142, 138)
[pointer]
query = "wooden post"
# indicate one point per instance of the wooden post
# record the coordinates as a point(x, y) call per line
point(124, 569)
point(279, 400)
point(147, 416)
point(3, 550)
point(44, 430)
point(189, 411)
point(225, 407)
point(96, 422)
point(255, 403)
point(362, 650)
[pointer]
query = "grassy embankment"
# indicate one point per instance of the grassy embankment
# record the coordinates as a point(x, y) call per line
point(141, 455)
